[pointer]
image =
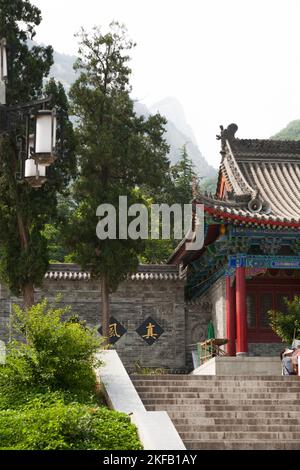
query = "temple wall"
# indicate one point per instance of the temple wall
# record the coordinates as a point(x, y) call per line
point(131, 305)
point(216, 297)
point(210, 306)
point(184, 324)
point(198, 315)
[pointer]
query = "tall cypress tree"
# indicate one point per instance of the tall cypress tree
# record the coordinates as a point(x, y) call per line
point(118, 153)
point(24, 211)
point(183, 175)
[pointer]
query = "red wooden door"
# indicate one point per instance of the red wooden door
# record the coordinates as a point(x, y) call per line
point(264, 295)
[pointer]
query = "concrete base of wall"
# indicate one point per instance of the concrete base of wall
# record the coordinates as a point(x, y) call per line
point(242, 365)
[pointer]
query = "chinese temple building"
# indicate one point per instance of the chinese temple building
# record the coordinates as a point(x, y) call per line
point(250, 260)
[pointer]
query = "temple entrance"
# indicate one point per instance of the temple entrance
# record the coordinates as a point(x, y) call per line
point(268, 292)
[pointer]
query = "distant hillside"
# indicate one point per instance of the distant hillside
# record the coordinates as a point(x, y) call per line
point(178, 131)
point(175, 136)
point(290, 132)
point(62, 70)
point(173, 111)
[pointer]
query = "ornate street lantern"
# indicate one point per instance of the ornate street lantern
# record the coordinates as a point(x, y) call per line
point(38, 151)
point(45, 138)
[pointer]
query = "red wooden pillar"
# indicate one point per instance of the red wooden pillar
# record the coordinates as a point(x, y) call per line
point(230, 317)
point(241, 312)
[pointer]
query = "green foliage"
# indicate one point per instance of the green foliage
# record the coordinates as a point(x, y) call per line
point(183, 175)
point(178, 189)
point(118, 152)
point(142, 370)
point(287, 324)
point(47, 422)
point(27, 69)
point(157, 251)
point(57, 252)
point(24, 211)
point(48, 393)
point(54, 232)
point(58, 352)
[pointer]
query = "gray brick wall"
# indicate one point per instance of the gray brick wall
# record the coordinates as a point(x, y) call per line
point(131, 304)
point(163, 299)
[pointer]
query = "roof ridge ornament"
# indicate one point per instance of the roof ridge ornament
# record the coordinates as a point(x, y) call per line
point(229, 133)
point(259, 204)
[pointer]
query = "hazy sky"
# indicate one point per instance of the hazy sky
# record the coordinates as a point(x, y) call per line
point(224, 60)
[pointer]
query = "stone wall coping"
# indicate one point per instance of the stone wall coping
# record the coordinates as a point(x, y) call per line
point(155, 428)
point(145, 272)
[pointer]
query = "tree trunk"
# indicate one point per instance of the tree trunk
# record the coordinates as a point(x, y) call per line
point(105, 309)
point(28, 295)
point(28, 288)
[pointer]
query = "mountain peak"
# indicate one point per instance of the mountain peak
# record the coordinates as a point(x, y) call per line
point(173, 110)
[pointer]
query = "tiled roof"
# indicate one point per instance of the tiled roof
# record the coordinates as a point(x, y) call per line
point(271, 149)
point(241, 215)
point(263, 178)
point(146, 272)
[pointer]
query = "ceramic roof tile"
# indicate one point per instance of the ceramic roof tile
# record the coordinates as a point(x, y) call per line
point(147, 272)
point(260, 169)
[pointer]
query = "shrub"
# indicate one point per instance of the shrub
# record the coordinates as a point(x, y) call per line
point(46, 422)
point(58, 352)
point(287, 324)
point(48, 397)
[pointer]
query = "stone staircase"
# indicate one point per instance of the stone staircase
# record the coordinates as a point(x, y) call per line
point(235, 412)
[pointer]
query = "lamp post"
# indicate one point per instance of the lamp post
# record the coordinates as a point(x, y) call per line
point(37, 150)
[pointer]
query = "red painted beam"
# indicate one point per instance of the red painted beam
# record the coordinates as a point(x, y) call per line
point(230, 317)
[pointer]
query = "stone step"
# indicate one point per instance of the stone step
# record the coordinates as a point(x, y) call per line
point(235, 401)
point(231, 378)
point(173, 389)
point(216, 396)
point(227, 412)
point(234, 415)
point(244, 445)
point(204, 421)
point(226, 407)
point(219, 385)
point(235, 428)
point(242, 436)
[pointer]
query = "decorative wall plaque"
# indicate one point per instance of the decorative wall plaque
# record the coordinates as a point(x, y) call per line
point(116, 330)
point(150, 331)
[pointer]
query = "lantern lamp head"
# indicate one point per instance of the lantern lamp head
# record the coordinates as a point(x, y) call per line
point(45, 137)
point(3, 60)
point(35, 174)
point(3, 71)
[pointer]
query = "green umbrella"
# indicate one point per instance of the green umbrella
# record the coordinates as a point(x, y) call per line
point(210, 330)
